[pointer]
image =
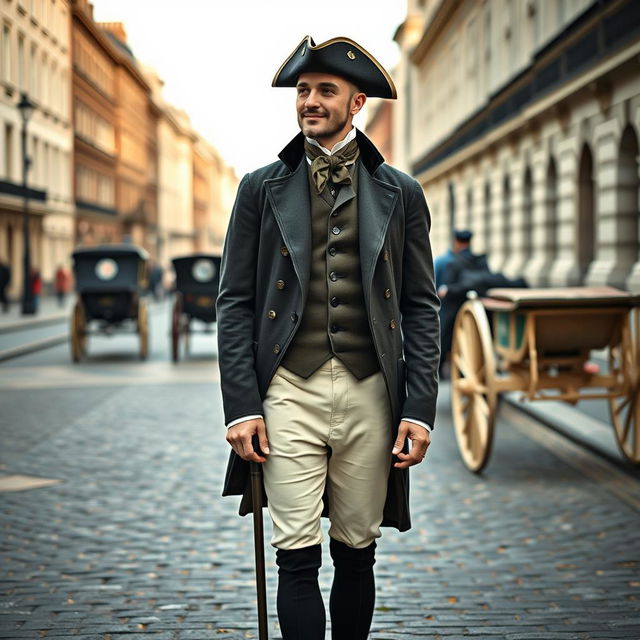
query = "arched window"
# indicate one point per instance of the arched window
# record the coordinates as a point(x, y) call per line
point(527, 214)
point(551, 210)
point(586, 211)
point(487, 217)
point(628, 192)
point(506, 215)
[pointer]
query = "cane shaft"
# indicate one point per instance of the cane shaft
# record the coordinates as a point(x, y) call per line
point(258, 539)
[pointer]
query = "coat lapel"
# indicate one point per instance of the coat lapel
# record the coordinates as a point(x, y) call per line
point(376, 203)
point(289, 199)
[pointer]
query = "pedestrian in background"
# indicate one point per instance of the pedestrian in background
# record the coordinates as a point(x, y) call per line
point(62, 284)
point(5, 280)
point(328, 340)
point(36, 288)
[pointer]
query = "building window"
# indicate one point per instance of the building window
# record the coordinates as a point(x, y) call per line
point(33, 73)
point(22, 78)
point(8, 151)
point(5, 63)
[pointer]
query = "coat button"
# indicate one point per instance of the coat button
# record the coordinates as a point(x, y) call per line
point(335, 328)
point(335, 231)
point(284, 251)
point(334, 301)
point(271, 315)
point(385, 255)
point(276, 348)
point(333, 276)
point(332, 251)
point(294, 317)
point(387, 293)
point(393, 324)
point(280, 284)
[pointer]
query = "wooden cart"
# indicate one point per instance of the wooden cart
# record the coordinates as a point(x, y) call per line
point(110, 281)
point(197, 280)
point(541, 345)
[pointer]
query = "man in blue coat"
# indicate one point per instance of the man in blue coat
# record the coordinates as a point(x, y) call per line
point(328, 340)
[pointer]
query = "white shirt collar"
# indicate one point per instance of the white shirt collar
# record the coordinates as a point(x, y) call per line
point(338, 145)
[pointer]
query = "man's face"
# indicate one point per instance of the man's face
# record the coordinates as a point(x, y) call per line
point(326, 105)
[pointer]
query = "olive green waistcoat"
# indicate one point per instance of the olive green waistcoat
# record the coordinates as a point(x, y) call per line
point(334, 320)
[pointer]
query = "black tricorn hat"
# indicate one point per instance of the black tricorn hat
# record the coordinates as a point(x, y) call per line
point(341, 57)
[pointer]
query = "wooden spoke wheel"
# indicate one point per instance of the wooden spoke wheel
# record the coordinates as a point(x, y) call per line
point(624, 363)
point(473, 389)
point(176, 321)
point(143, 329)
point(78, 333)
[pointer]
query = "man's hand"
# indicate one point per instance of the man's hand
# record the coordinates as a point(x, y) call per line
point(420, 441)
point(240, 435)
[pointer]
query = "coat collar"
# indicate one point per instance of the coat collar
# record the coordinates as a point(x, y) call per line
point(292, 154)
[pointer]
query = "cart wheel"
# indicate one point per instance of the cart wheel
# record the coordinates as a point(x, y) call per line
point(473, 390)
point(78, 332)
point(143, 329)
point(176, 317)
point(624, 363)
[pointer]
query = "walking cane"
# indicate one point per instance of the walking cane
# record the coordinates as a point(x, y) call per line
point(258, 541)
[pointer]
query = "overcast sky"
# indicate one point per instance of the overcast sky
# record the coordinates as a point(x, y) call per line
point(218, 57)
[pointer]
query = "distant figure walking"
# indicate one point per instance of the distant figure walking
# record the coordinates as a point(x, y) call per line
point(5, 280)
point(62, 283)
point(36, 288)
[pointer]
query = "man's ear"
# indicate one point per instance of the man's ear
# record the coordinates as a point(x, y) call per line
point(357, 102)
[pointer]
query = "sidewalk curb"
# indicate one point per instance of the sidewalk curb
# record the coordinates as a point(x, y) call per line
point(580, 437)
point(33, 323)
point(37, 345)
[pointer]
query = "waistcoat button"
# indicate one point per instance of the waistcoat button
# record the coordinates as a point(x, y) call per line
point(332, 251)
point(334, 301)
point(333, 276)
point(271, 315)
point(387, 293)
point(280, 284)
point(276, 348)
point(335, 231)
point(284, 251)
point(334, 328)
point(393, 324)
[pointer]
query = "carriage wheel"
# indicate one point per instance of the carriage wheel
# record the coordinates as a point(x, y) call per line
point(473, 390)
point(78, 332)
point(176, 317)
point(143, 329)
point(625, 410)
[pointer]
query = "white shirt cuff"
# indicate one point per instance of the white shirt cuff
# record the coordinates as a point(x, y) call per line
point(243, 419)
point(429, 428)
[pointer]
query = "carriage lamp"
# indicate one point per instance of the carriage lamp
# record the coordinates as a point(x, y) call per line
point(26, 108)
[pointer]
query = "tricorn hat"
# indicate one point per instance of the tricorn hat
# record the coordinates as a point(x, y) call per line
point(341, 57)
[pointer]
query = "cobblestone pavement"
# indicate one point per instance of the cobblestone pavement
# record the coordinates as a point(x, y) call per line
point(136, 541)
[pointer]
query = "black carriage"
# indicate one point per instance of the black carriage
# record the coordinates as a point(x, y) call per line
point(110, 281)
point(196, 284)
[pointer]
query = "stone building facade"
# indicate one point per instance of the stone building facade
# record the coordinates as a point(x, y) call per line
point(35, 59)
point(521, 119)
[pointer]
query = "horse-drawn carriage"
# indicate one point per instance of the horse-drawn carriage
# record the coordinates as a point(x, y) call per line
point(196, 284)
point(110, 281)
point(542, 344)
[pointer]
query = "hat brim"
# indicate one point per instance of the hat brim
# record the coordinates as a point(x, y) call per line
point(341, 57)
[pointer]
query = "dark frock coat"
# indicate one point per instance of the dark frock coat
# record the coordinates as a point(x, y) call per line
point(266, 268)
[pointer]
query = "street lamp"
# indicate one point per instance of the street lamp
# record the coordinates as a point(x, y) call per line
point(26, 108)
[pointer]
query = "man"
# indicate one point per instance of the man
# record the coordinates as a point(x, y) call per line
point(461, 241)
point(328, 340)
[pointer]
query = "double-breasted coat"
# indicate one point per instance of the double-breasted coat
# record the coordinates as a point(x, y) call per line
point(265, 279)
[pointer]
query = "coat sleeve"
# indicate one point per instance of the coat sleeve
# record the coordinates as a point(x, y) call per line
point(419, 305)
point(235, 307)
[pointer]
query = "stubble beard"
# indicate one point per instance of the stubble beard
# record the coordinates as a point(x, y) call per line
point(308, 130)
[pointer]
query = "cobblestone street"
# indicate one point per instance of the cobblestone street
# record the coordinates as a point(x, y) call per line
point(135, 540)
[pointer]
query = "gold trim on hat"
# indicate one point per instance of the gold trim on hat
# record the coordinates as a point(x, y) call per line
point(322, 45)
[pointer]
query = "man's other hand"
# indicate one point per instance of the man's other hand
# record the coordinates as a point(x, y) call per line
point(240, 438)
point(420, 441)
